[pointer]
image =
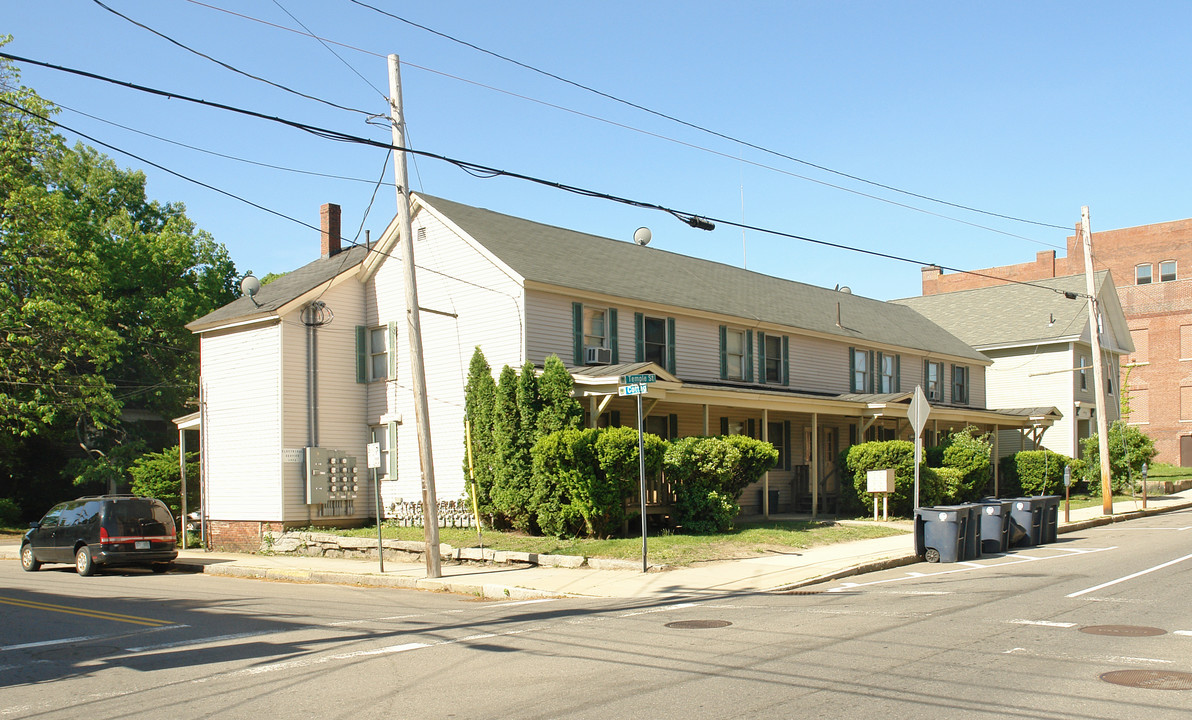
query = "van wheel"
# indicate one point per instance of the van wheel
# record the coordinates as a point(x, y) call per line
point(28, 562)
point(83, 564)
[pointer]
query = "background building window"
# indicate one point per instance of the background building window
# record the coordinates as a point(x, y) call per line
point(1084, 373)
point(1142, 274)
point(1167, 271)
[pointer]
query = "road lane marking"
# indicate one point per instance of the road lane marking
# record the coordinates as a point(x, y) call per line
point(1101, 659)
point(1182, 632)
point(1016, 560)
point(665, 608)
point(1044, 623)
point(523, 602)
point(1131, 576)
point(97, 614)
point(1186, 527)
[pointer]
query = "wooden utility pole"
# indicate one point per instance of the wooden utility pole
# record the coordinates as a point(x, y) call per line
point(1098, 370)
point(430, 503)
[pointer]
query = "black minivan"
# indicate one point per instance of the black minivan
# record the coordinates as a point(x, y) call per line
point(102, 531)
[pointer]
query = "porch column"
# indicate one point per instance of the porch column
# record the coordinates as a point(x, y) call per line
point(814, 465)
point(705, 419)
point(593, 413)
point(766, 475)
point(182, 470)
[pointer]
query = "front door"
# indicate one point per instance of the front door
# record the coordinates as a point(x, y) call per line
point(829, 480)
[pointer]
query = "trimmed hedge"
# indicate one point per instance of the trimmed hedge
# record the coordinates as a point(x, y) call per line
point(708, 473)
point(1033, 472)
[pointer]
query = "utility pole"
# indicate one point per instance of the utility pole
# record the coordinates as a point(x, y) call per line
point(1098, 370)
point(430, 503)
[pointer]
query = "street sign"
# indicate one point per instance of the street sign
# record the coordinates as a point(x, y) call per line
point(625, 390)
point(374, 455)
point(918, 411)
point(641, 379)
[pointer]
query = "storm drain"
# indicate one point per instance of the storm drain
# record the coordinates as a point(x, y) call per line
point(698, 624)
point(1123, 630)
point(801, 592)
point(1150, 679)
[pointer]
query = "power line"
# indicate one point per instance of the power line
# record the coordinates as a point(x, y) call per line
point(647, 133)
point(701, 128)
point(693, 219)
point(226, 66)
point(328, 47)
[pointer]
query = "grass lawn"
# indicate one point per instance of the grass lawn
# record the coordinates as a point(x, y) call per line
point(668, 548)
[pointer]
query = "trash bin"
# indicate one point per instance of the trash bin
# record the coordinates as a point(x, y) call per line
point(971, 549)
point(940, 533)
point(1026, 513)
point(995, 525)
point(1051, 518)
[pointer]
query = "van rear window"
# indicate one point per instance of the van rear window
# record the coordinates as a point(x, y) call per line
point(140, 517)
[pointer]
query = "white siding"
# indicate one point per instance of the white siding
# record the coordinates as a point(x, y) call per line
point(486, 304)
point(1035, 377)
point(242, 423)
point(340, 410)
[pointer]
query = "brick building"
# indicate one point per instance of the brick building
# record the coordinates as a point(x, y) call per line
point(1153, 266)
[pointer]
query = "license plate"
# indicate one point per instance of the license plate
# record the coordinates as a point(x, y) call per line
point(142, 544)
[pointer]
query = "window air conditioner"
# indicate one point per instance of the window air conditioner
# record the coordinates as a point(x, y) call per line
point(598, 356)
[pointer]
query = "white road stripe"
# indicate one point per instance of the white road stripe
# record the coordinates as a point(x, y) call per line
point(1130, 577)
point(666, 608)
point(48, 643)
point(1043, 623)
point(1102, 659)
point(1182, 632)
point(523, 602)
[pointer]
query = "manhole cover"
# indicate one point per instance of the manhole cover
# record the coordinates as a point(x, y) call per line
point(1150, 679)
point(698, 624)
point(1122, 630)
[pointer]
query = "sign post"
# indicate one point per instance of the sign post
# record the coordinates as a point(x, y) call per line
point(637, 385)
point(917, 414)
point(374, 462)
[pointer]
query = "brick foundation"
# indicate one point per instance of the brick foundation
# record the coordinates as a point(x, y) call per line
point(239, 535)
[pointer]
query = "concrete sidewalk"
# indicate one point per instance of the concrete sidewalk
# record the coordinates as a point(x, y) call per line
point(770, 572)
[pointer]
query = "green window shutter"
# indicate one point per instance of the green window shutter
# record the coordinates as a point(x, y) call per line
point(724, 426)
point(751, 429)
point(786, 362)
point(672, 426)
point(723, 355)
point(361, 354)
point(392, 432)
point(872, 371)
point(953, 383)
point(391, 337)
point(879, 371)
point(761, 357)
point(786, 444)
point(670, 345)
point(897, 373)
point(748, 356)
point(926, 387)
point(639, 337)
point(852, 370)
point(612, 335)
point(577, 333)
point(614, 418)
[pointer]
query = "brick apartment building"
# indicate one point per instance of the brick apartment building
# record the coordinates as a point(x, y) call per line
point(1153, 268)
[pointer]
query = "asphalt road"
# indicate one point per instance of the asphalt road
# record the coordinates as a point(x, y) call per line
point(1021, 635)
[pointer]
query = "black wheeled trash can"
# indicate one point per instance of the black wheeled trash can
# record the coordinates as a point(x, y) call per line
point(1026, 513)
point(940, 533)
point(995, 525)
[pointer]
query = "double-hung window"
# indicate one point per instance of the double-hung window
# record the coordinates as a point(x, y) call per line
point(1142, 274)
point(960, 384)
point(734, 354)
point(773, 349)
point(1084, 373)
point(381, 434)
point(595, 329)
point(889, 380)
point(654, 338)
point(933, 375)
point(859, 365)
point(376, 353)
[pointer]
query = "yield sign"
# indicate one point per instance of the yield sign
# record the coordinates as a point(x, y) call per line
point(918, 411)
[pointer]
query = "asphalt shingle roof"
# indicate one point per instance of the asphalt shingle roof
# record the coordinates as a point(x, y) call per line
point(1011, 314)
point(571, 259)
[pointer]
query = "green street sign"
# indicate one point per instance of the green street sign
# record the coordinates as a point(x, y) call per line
point(642, 379)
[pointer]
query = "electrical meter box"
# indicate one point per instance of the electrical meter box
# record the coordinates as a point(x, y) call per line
point(331, 475)
point(880, 481)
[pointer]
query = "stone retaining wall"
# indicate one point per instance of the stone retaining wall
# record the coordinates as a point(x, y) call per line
point(313, 544)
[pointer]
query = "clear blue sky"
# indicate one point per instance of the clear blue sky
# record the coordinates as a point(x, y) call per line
point(1022, 109)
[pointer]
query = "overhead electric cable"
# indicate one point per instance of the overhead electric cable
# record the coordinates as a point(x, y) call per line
point(227, 66)
point(701, 128)
point(328, 47)
point(647, 132)
point(693, 219)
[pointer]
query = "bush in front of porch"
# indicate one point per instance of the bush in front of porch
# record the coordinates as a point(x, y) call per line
point(709, 473)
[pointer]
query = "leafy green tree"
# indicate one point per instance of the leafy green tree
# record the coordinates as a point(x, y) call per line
point(158, 475)
point(479, 405)
point(510, 491)
point(97, 283)
point(560, 410)
point(1129, 448)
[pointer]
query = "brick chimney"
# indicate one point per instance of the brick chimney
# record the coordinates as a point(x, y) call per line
point(931, 275)
point(329, 222)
